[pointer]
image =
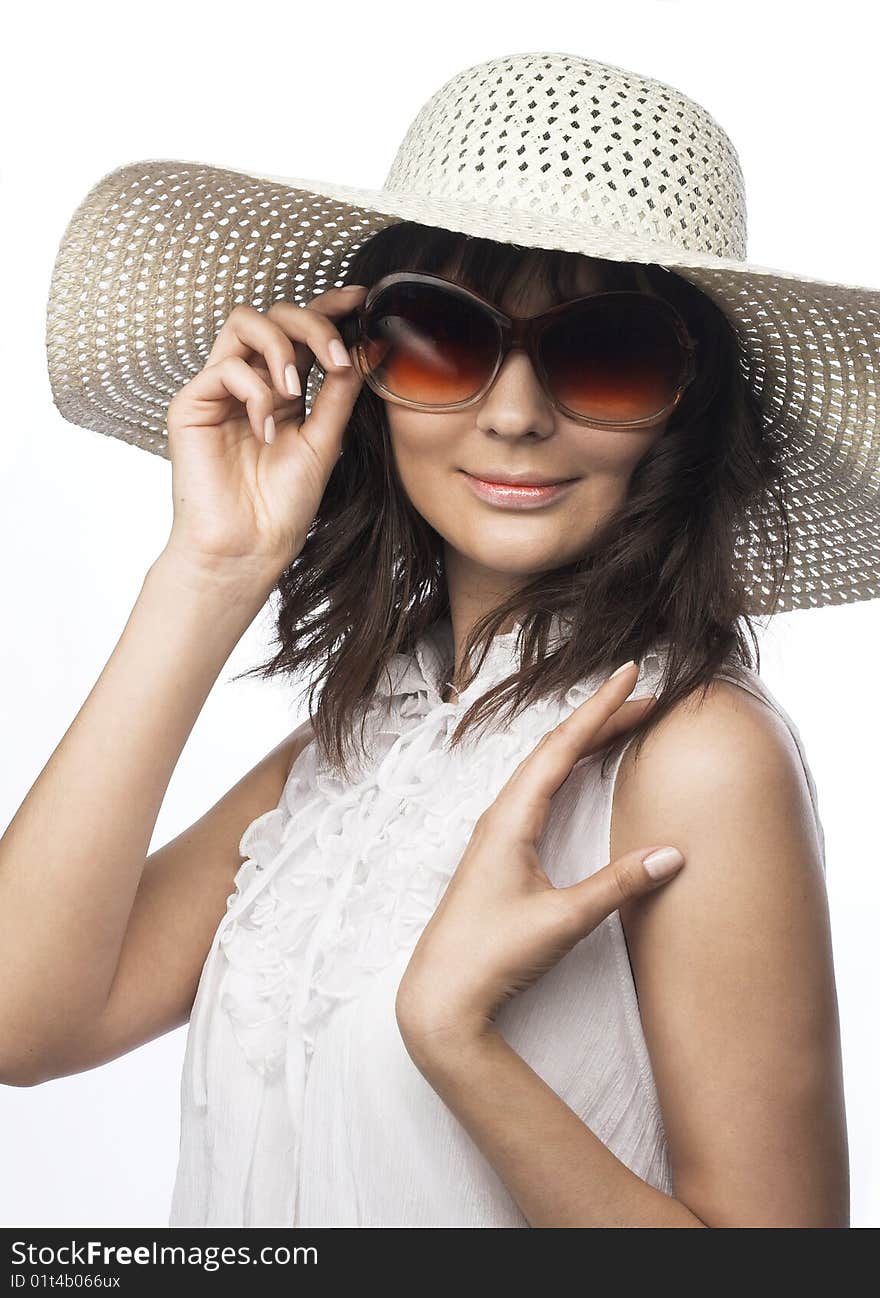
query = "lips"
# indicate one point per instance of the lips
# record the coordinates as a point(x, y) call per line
point(502, 479)
point(517, 495)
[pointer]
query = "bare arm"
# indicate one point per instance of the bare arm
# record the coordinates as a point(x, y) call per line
point(734, 968)
point(248, 476)
point(179, 903)
point(735, 979)
point(72, 857)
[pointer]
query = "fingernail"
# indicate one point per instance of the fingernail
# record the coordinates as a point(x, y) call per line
point(353, 288)
point(338, 354)
point(269, 429)
point(663, 862)
point(622, 668)
point(291, 378)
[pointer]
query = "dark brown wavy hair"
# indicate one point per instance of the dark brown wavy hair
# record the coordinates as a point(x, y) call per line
point(370, 578)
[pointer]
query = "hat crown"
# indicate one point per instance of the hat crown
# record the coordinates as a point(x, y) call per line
point(562, 136)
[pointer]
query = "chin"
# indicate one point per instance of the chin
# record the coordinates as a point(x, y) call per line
point(516, 561)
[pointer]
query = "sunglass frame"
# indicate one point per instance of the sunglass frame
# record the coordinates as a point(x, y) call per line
point(516, 332)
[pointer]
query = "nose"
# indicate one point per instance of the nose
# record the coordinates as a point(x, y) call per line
point(516, 402)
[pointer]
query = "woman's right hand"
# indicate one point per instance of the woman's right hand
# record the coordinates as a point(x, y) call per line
point(241, 498)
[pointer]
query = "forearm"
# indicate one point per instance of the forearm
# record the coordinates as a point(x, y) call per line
point(72, 857)
point(557, 1170)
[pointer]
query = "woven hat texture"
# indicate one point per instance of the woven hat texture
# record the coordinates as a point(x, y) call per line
point(548, 150)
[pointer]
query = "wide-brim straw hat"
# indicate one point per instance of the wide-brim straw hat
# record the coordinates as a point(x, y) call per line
point(546, 150)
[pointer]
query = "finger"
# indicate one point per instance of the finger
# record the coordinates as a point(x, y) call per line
point(314, 329)
point(273, 335)
point(324, 430)
point(248, 333)
point(624, 719)
point(585, 904)
point(285, 408)
point(339, 300)
point(524, 801)
point(626, 716)
point(232, 377)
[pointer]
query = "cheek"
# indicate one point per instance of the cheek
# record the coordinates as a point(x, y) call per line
point(424, 452)
point(612, 454)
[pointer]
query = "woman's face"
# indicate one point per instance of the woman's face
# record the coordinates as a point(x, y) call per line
point(514, 430)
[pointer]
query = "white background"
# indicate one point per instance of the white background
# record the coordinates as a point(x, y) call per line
point(328, 91)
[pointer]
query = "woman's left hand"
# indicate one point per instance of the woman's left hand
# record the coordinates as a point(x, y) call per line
point(501, 923)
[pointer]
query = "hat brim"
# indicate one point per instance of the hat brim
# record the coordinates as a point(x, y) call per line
point(158, 253)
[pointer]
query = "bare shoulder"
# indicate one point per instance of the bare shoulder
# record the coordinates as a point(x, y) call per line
point(294, 744)
point(720, 777)
point(732, 962)
point(725, 740)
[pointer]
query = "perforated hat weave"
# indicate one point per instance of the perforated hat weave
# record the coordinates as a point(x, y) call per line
point(543, 150)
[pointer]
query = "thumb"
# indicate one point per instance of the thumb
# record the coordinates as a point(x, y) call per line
point(638, 872)
point(324, 429)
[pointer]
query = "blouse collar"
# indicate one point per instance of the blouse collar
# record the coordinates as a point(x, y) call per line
point(430, 666)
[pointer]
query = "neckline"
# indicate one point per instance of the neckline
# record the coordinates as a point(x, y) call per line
point(427, 668)
point(434, 659)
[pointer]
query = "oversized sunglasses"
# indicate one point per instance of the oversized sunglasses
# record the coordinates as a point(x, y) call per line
point(609, 359)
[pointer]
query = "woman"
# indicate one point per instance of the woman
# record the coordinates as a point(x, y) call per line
point(431, 1000)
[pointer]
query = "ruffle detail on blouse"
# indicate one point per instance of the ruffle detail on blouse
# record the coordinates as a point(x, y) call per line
point(353, 877)
point(340, 878)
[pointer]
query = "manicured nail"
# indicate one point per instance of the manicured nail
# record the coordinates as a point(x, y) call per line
point(622, 668)
point(269, 429)
point(338, 354)
point(291, 378)
point(663, 862)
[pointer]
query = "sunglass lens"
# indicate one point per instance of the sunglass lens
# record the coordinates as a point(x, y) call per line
point(428, 345)
point(615, 359)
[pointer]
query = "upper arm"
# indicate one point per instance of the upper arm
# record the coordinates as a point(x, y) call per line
point(179, 903)
point(733, 965)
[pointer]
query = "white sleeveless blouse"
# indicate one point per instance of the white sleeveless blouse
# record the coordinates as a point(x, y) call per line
point(299, 1103)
